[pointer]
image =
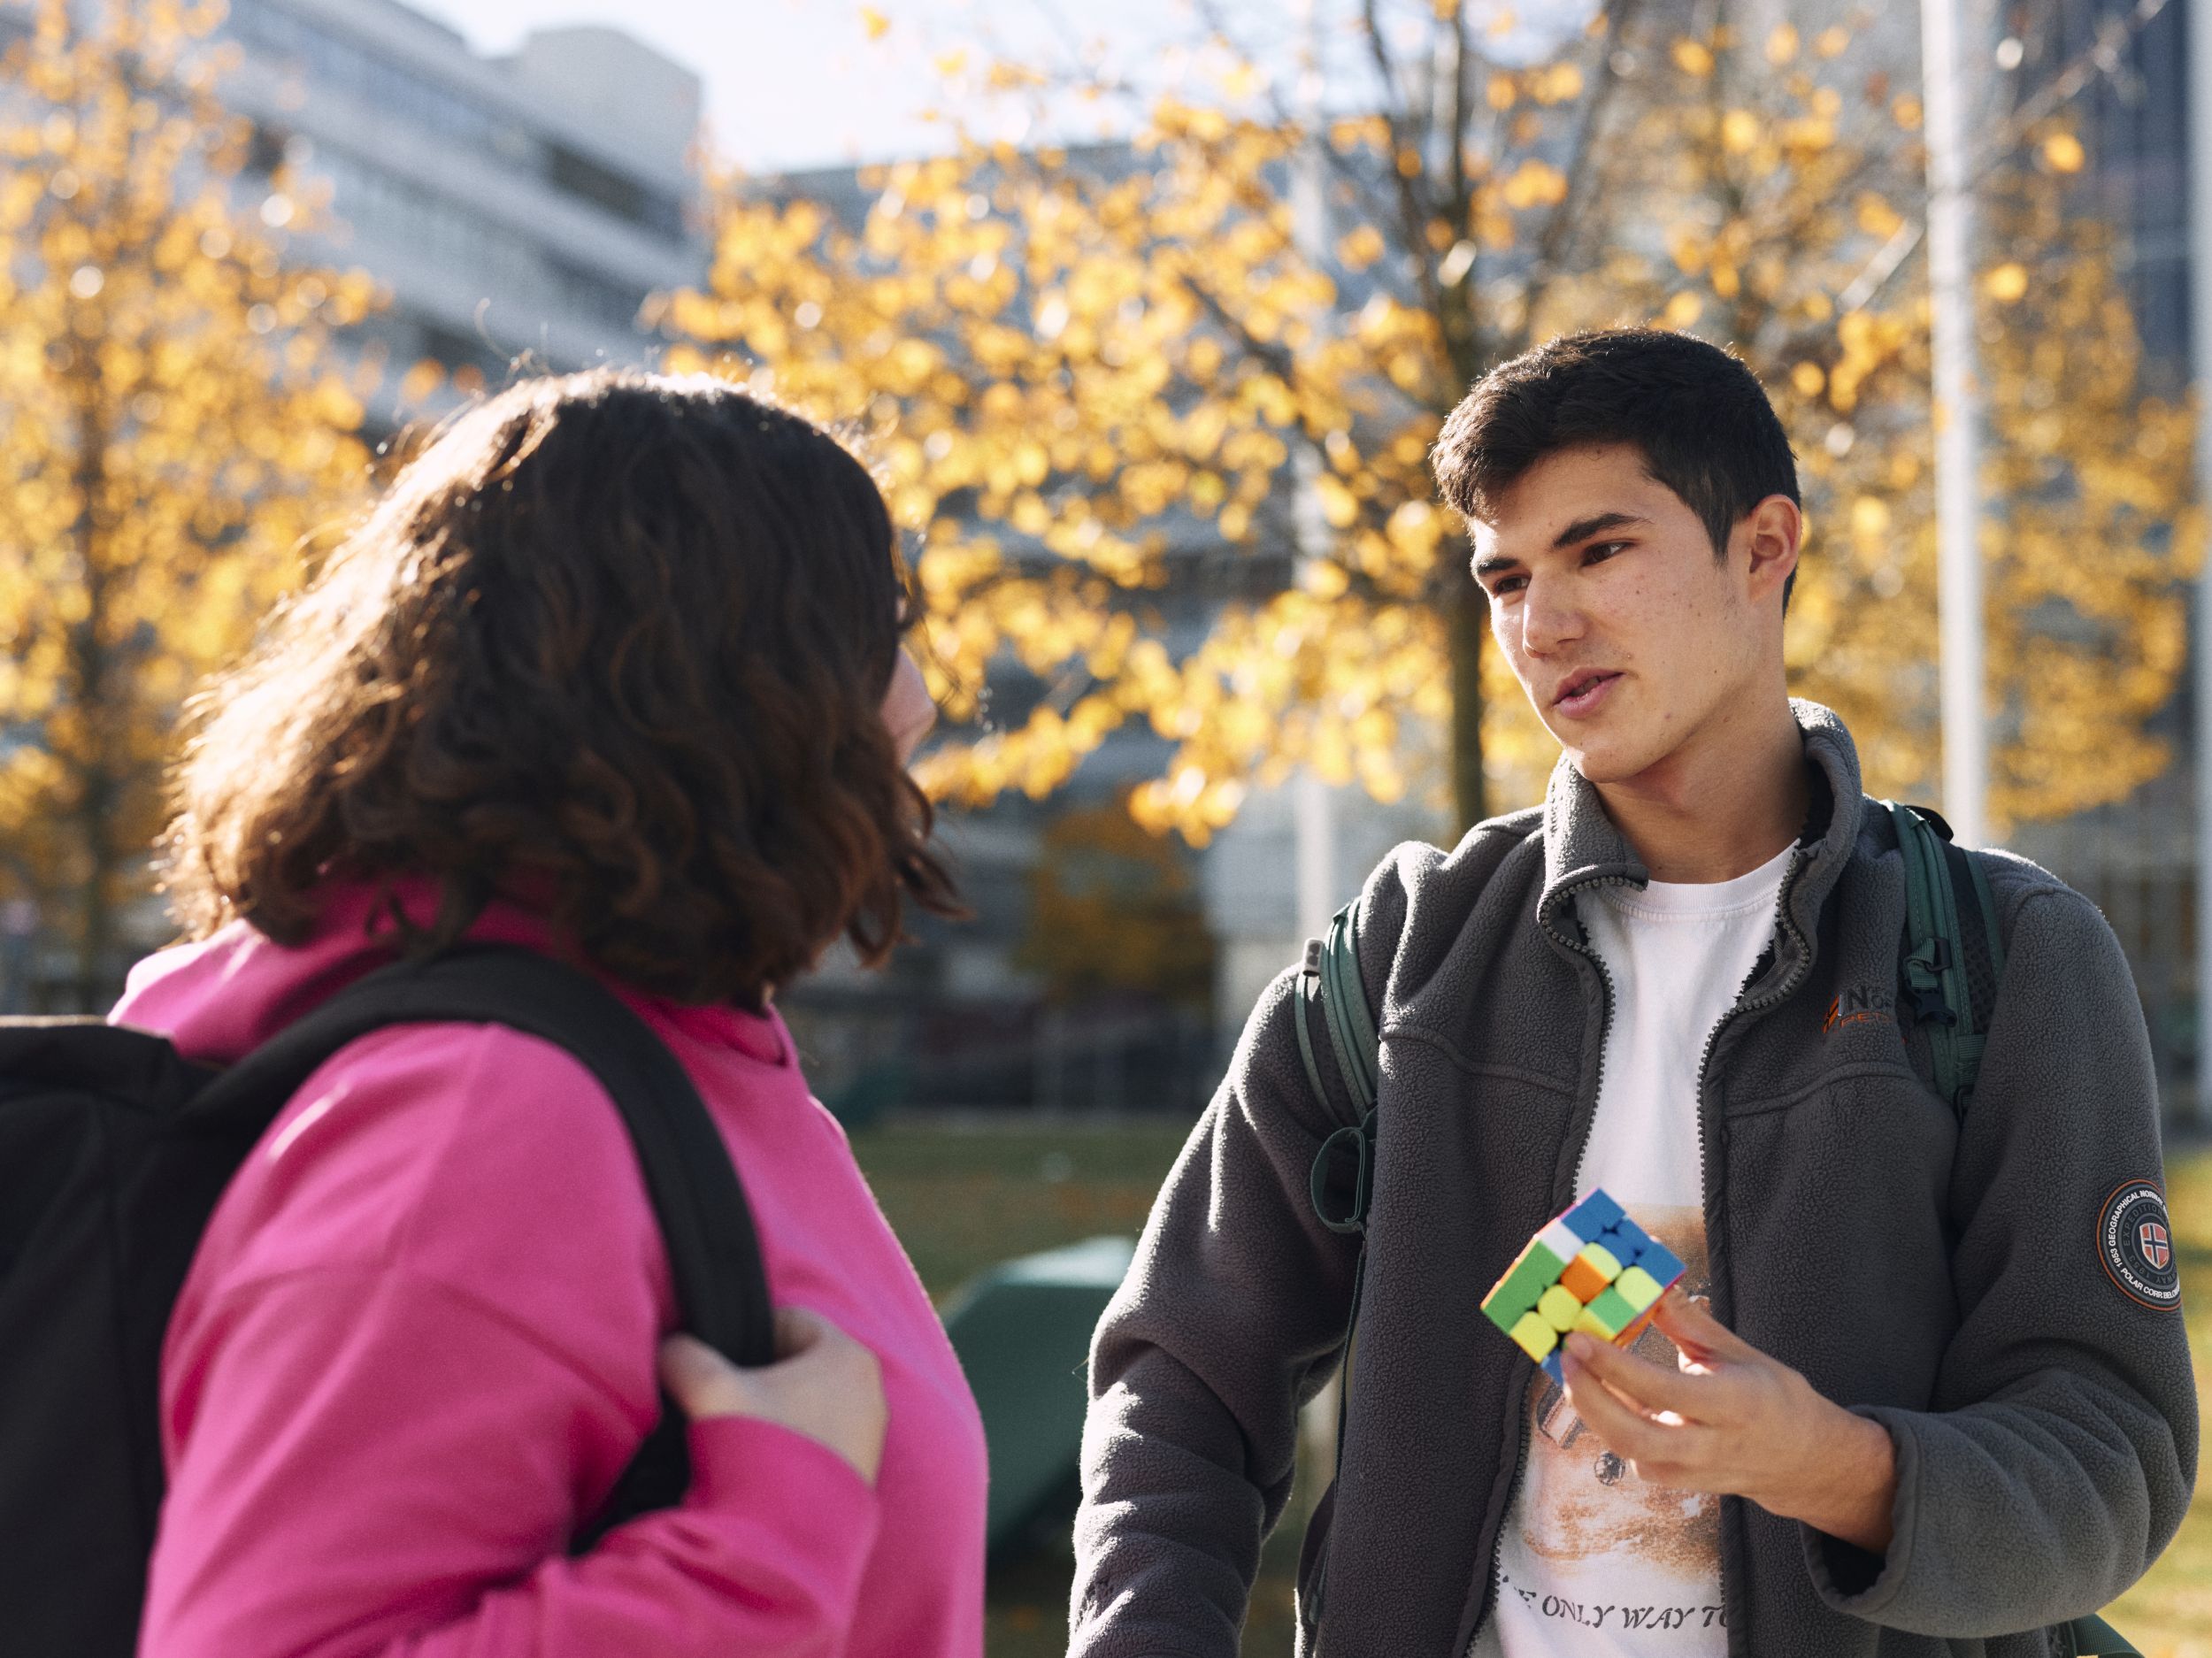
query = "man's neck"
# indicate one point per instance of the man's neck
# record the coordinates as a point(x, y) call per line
point(1726, 801)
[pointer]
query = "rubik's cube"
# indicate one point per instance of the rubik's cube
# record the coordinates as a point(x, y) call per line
point(1592, 1270)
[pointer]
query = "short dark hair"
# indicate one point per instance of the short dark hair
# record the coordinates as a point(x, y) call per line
point(615, 644)
point(1701, 417)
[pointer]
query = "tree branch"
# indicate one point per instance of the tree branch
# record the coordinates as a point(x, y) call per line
point(1583, 178)
point(1412, 208)
point(2068, 84)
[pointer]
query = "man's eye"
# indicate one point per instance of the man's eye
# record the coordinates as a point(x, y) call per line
point(1504, 585)
point(1599, 552)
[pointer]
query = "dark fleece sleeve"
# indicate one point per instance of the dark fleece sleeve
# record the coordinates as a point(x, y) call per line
point(1231, 1316)
point(2065, 1451)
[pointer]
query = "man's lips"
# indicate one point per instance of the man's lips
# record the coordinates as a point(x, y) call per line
point(1580, 693)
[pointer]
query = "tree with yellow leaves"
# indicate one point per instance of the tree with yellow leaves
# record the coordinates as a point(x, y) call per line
point(171, 428)
point(1212, 362)
point(1112, 908)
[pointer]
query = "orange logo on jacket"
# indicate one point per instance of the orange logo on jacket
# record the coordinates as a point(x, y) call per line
point(1864, 1005)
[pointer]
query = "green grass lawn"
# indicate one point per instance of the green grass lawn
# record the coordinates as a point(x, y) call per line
point(964, 1195)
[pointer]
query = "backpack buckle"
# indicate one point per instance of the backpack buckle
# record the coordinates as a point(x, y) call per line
point(1358, 1144)
point(1929, 1006)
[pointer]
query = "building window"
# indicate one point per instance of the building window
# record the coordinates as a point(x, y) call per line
point(601, 298)
point(383, 207)
point(624, 196)
point(326, 57)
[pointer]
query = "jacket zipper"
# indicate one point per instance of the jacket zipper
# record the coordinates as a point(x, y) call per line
point(1781, 993)
point(1778, 994)
point(1605, 1030)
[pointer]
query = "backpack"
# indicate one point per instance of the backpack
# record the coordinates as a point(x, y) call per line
point(1953, 960)
point(114, 1150)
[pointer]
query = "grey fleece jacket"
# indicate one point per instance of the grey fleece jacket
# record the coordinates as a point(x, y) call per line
point(1953, 1280)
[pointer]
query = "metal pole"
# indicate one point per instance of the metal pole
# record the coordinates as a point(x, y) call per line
point(1957, 419)
point(2196, 23)
point(1313, 810)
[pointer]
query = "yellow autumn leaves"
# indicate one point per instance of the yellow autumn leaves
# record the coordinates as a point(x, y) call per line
point(1169, 460)
point(1160, 458)
point(172, 426)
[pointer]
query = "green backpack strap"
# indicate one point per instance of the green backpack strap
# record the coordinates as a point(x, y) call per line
point(2094, 1638)
point(1331, 977)
point(1939, 953)
point(1939, 957)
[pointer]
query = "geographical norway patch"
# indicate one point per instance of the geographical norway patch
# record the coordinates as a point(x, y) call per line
point(2136, 1242)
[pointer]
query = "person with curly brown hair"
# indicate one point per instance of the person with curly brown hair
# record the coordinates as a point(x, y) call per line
point(614, 671)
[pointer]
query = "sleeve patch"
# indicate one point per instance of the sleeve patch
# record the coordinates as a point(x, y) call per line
point(2136, 1243)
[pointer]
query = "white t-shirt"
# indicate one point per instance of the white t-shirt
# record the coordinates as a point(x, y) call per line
point(1592, 1562)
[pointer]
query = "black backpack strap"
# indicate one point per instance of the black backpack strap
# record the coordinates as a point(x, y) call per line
point(714, 1257)
point(1954, 958)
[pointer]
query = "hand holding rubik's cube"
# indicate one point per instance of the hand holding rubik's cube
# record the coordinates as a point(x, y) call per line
point(1592, 1270)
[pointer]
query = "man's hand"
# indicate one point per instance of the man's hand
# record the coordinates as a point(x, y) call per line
point(1733, 1421)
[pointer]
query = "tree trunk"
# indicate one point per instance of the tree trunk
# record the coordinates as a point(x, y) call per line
point(1467, 619)
point(95, 907)
point(99, 789)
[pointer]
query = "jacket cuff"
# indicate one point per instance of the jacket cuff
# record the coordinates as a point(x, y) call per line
point(1854, 1580)
point(815, 1500)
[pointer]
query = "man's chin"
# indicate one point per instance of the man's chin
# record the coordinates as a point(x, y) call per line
point(1601, 761)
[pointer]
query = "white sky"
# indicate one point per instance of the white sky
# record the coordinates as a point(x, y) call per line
point(795, 82)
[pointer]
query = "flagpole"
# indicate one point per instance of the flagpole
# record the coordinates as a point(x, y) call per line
point(1962, 676)
point(2197, 25)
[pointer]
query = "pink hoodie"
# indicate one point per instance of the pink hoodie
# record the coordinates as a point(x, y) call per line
point(417, 1346)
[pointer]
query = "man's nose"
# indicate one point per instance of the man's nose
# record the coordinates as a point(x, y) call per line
point(1549, 618)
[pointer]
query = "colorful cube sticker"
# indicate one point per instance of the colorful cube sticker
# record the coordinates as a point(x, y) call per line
point(1591, 1269)
point(1561, 1240)
point(1559, 1309)
point(1525, 1281)
point(1594, 1215)
point(1535, 1338)
point(1607, 1315)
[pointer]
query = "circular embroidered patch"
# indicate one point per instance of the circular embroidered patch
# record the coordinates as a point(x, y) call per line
point(2138, 1245)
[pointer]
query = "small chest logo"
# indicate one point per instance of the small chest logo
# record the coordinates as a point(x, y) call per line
point(2134, 1237)
point(1863, 1004)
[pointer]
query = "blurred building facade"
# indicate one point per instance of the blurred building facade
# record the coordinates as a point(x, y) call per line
point(516, 207)
point(513, 208)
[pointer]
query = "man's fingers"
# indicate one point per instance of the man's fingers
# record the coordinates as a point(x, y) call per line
point(1628, 1432)
point(1689, 1324)
point(1645, 1386)
point(1661, 1453)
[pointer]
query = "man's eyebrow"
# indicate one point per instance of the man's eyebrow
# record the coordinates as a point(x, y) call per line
point(1580, 530)
point(1583, 529)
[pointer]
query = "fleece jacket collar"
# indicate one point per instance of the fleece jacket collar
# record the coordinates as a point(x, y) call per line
point(1583, 848)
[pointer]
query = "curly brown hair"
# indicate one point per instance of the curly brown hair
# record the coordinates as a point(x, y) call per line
point(617, 644)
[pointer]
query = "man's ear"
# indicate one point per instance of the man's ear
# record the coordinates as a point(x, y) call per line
point(1772, 531)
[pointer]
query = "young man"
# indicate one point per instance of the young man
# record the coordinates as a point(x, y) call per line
point(1936, 1391)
